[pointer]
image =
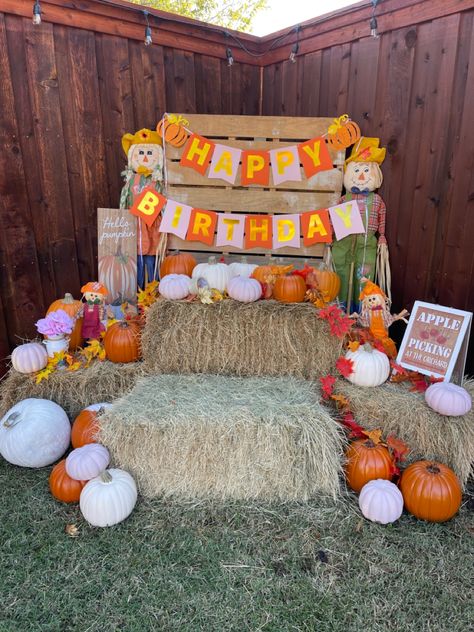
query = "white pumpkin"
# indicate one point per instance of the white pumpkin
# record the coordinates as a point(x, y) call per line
point(34, 433)
point(87, 462)
point(371, 367)
point(175, 286)
point(29, 358)
point(109, 498)
point(244, 290)
point(381, 501)
point(241, 268)
point(448, 399)
point(215, 273)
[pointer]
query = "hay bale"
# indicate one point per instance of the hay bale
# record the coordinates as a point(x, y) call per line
point(231, 338)
point(225, 437)
point(397, 410)
point(101, 382)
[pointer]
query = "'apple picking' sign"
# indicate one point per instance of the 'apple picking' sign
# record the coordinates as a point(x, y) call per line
point(435, 341)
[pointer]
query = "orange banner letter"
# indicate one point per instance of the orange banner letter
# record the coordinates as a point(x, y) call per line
point(197, 153)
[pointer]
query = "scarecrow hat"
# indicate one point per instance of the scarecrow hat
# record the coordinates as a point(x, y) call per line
point(369, 289)
point(143, 136)
point(94, 286)
point(367, 150)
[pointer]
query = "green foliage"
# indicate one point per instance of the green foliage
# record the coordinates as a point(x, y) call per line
point(235, 14)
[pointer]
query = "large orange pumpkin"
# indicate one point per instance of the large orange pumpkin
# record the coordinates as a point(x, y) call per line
point(122, 342)
point(85, 426)
point(174, 132)
point(178, 263)
point(346, 134)
point(71, 307)
point(431, 491)
point(329, 284)
point(367, 461)
point(289, 289)
point(62, 486)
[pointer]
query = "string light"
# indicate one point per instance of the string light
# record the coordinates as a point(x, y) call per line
point(148, 39)
point(230, 59)
point(373, 20)
point(36, 13)
point(296, 46)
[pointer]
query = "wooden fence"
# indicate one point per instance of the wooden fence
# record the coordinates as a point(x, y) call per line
point(72, 86)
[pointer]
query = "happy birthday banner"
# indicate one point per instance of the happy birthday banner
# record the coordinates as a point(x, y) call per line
point(202, 154)
point(248, 231)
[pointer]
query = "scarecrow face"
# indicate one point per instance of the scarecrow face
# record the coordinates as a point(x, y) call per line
point(146, 157)
point(94, 297)
point(363, 175)
point(373, 300)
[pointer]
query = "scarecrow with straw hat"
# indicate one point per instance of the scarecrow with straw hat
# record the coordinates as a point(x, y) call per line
point(144, 168)
point(357, 256)
point(94, 311)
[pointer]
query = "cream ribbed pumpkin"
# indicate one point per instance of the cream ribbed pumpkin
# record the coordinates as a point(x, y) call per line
point(371, 367)
point(215, 273)
point(241, 268)
point(29, 358)
point(175, 286)
point(109, 498)
point(381, 501)
point(448, 399)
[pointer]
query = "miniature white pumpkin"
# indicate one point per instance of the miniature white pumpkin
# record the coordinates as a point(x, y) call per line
point(241, 268)
point(244, 290)
point(34, 433)
point(448, 399)
point(109, 498)
point(215, 273)
point(87, 462)
point(371, 367)
point(381, 501)
point(175, 286)
point(29, 358)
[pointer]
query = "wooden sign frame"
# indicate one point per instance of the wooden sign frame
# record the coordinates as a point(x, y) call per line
point(436, 337)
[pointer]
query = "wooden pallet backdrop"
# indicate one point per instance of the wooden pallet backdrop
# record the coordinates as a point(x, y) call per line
point(253, 132)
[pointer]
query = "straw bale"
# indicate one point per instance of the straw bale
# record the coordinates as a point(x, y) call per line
point(73, 390)
point(225, 437)
point(232, 338)
point(398, 411)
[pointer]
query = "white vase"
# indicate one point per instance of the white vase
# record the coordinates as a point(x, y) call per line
point(55, 344)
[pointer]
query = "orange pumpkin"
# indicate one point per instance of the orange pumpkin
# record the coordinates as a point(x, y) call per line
point(289, 289)
point(346, 135)
point(431, 491)
point(174, 133)
point(329, 284)
point(178, 263)
point(72, 308)
point(264, 273)
point(122, 342)
point(85, 426)
point(367, 461)
point(62, 486)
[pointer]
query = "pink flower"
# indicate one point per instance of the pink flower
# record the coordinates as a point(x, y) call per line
point(55, 324)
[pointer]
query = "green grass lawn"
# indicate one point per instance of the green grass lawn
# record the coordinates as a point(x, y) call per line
point(239, 566)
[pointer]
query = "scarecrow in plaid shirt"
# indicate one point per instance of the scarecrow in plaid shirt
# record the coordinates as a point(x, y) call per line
point(355, 256)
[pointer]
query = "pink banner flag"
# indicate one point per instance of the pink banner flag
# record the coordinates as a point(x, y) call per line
point(286, 231)
point(285, 164)
point(175, 219)
point(346, 219)
point(230, 230)
point(225, 163)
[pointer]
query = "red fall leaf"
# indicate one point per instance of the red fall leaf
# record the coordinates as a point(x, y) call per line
point(327, 385)
point(344, 366)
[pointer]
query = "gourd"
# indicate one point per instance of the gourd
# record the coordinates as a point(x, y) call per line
point(174, 132)
point(431, 491)
point(85, 427)
point(370, 367)
point(122, 342)
point(241, 268)
point(34, 433)
point(62, 486)
point(178, 263)
point(289, 289)
point(72, 309)
point(29, 358)
point(367, 461)
point(244, 289)
point(215, 273)
point(448, 399)
point(175, 286)
point(266, 272)
point(381, 501)
point(87, 462)
point(109, 498)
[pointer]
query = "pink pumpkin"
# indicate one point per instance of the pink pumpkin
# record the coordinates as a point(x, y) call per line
point(29, 358)
point(448, 399)
point(244, 289)
point(87, 462)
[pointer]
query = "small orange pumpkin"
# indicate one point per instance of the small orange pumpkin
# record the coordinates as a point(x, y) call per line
point(174, 132)
point(367, 461)
point(431, 491)
point(71, 307)
point(266, 272)
point(122, 342)
point(329, 284)
point(85, 426)
point(62, 486)
point(289, 289)
point(178, 263)
point(343, 133)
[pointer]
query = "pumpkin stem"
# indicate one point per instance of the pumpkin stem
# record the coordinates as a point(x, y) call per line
point(12, 420)
point(212, 260)
point(433, 468)
point(369, 443)
point(105, 476)
point(367, 347)
point(68, 299)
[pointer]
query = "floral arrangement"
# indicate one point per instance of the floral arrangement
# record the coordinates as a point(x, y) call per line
point(56, 323)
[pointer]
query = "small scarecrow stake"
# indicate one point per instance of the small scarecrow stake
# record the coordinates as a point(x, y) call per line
point(94, 312)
